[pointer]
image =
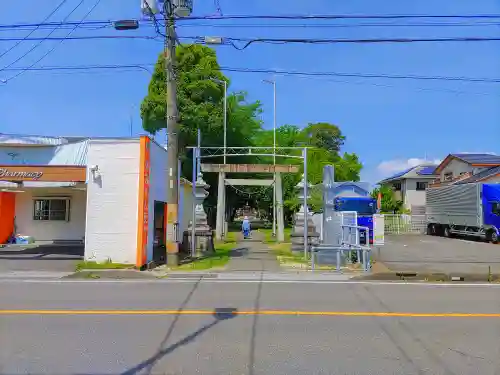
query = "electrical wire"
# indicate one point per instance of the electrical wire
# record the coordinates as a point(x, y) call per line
point(248, 42)
point(342, 16)
point(54, 11)
point(58, 44)
point(36, 45)
point(145, 66)
point(90, 37)
point(336, 25)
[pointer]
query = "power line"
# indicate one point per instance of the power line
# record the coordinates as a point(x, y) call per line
point(248, 41)
point(41, 41)
point(147, 66)
point(343, 16)
point(36, 28)
point(60, 42)
point(338, 25)
point(90, 37)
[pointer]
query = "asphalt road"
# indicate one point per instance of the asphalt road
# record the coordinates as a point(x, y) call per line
point(185, 328)
point(423, 253)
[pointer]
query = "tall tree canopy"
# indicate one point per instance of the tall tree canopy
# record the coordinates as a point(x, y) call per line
point(200, 105)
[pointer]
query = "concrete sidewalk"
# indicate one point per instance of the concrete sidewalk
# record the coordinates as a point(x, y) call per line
point(252, 255)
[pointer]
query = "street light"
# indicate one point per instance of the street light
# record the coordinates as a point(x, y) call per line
point(225, 112)
point(273, 82)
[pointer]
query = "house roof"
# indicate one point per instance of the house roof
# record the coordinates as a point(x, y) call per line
point(480, 159)
point(483, 175)
point(419, 171)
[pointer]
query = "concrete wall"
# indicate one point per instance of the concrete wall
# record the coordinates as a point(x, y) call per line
point(112, 201)
point(412, 196)
point(74, 229)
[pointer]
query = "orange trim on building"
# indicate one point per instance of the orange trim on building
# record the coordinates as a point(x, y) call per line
point(7, 215)
point(143, 204)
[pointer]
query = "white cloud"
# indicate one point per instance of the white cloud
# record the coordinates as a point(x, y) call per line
point(399, 165)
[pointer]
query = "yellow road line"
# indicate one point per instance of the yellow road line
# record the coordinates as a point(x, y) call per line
point(251, 312)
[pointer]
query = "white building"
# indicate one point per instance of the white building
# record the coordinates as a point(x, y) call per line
point(109, 193)
point(409, 186)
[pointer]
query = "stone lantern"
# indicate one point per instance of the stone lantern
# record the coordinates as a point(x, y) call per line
point(300, 221)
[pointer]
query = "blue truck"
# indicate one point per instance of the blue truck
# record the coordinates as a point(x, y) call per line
point(468, 210)
point(365, 207)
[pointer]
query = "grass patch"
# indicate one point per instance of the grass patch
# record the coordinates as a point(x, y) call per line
point(268, 235)
point(108, 265)
point(283, 252)
point(216, 260)
point(230, 236)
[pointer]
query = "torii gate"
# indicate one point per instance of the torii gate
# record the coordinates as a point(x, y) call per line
point(275, 169)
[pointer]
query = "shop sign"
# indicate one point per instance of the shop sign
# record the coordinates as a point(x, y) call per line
point(28, 175)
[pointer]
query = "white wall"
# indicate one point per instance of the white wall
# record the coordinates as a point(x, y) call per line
point(112, 201)
point(414, 197)
point(74, 229)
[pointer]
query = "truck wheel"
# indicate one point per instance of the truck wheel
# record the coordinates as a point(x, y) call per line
point(494, 237)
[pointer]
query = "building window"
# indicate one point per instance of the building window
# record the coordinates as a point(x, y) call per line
point(421, 186)
point(448, 176)
point(397, 186)
point(51, 209)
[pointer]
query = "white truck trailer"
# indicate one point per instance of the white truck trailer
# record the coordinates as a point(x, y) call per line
point(471, 209)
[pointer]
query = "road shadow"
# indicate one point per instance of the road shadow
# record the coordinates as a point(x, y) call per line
point(239, 252)
point(219, 315)
point(253, 337)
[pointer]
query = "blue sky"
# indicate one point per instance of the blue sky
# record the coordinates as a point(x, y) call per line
point(390, 123)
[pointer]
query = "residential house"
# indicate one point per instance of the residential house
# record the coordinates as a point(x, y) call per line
point(466, 168)
point(409, 186)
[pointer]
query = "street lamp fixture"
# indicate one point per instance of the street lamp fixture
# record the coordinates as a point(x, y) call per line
point(126, 25)
point(273, 82)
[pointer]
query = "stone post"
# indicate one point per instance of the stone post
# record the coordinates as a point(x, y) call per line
point(203, 232)
point(300, 221)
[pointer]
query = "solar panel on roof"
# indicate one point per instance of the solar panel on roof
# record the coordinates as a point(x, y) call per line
point(399, 174)
point(479, 158)
point(426, 171)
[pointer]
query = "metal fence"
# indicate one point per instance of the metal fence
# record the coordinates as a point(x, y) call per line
point(404, 224)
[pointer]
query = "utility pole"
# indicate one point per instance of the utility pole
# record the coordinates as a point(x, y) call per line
point(172, 135)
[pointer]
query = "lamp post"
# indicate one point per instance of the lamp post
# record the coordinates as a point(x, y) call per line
point(225, 112)
point(273, 82)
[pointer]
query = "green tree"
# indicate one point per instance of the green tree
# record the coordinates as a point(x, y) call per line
point(200, 103)
point(389, 203)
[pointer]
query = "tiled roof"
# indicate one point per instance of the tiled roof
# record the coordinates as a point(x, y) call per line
point(479, 158)
point(490, 172)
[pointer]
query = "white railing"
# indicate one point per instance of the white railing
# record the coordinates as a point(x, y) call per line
point(404, 224)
